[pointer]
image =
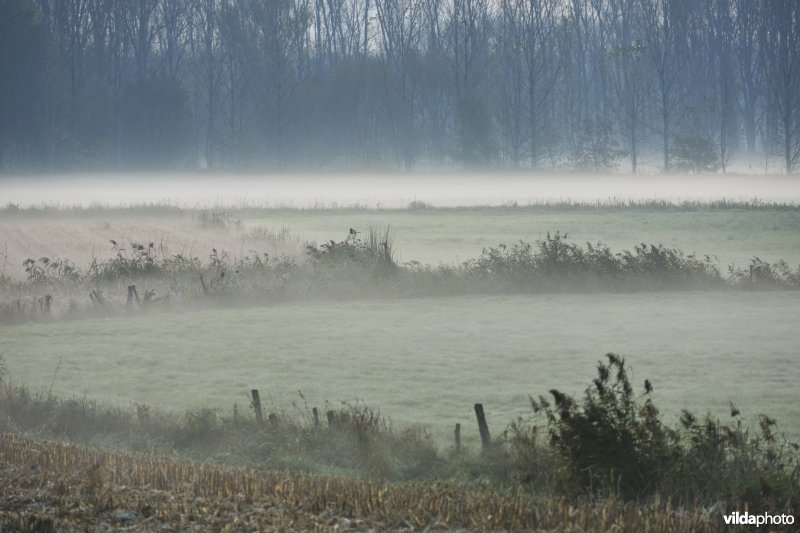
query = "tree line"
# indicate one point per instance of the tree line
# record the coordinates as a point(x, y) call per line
point(241, 85)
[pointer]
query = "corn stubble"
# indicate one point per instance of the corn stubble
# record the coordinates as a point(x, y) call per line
point(48, 486)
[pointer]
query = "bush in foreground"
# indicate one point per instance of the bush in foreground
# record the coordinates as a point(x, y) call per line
point(613, 441)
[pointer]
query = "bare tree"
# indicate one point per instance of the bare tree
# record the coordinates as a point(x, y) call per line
point(668, 51)
point(747, 27)
point(203, 30)
point(624, 70)
point(536, 31)
point(511, 104)
point(71, 18)
point(278, 30)
point(237, 81)
point(782, 62)
point(400, 27)
point(469, 32)
point(719, 38)
point(22, 47)
point(143, 33)
point(171, 35)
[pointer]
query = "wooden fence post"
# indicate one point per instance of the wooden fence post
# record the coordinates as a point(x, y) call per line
point(458, 438)
point(97, 297)
point(315, 412)
point(45, 304)
point(257, 406)
point(331, 418)
point(132, 293)
point(482, 427)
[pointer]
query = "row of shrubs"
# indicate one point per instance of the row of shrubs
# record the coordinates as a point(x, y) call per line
point(612, 442)
point(551, 258)
point(365, 265)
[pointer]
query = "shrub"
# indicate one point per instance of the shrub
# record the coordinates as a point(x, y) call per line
point(609, 441)
point(763, 275)
point(734, 463)
point(418, 205)
point(45, 270)
point(595, 147)
point(694, 153)
point(554, 260)
point(614, 441)
point(373, 253)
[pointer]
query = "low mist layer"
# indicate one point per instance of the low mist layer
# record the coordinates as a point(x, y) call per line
point(389, 191)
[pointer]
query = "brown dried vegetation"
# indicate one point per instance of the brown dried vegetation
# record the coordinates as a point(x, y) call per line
point(54, 486)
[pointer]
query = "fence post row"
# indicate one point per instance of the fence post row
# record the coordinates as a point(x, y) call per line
point(331, 416)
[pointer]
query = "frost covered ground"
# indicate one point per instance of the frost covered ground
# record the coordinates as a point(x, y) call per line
point(427, 361)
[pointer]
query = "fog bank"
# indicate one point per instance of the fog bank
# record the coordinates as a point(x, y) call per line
point(388, 191)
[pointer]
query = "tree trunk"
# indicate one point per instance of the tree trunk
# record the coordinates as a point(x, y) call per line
point(665, 125)
point(787, 144)
point(2, 136)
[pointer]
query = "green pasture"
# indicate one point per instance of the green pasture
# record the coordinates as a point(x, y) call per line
point(427, 361)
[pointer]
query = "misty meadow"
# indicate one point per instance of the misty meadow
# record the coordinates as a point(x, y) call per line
point(399, 265)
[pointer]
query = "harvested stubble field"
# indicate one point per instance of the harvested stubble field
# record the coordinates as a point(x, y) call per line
point(83, 236)
point(46, 486)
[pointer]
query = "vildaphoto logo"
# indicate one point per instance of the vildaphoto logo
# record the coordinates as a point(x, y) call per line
point(764, 519)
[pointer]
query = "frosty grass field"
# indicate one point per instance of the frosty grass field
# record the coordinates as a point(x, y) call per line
point(426, 361)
